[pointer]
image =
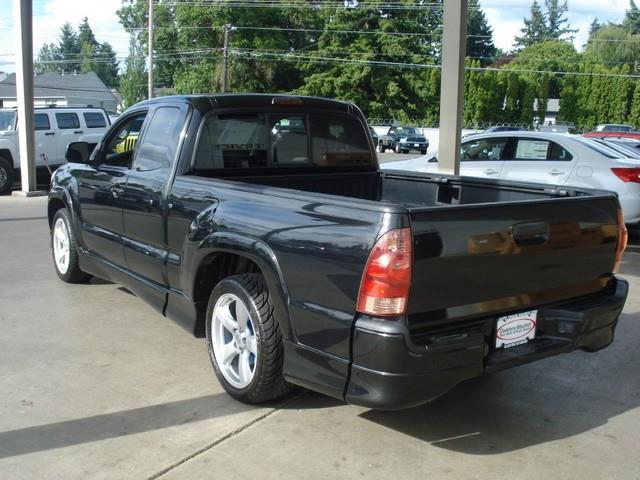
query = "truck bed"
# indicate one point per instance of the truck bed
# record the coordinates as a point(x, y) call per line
point(483, 246)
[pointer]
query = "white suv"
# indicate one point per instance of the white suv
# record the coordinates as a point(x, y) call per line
point(55, 128)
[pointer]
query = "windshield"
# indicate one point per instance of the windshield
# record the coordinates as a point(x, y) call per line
point(601, 149)
point(7, 119)
point(407, 131)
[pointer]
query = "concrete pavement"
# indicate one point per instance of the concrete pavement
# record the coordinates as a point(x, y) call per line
point(95, 384)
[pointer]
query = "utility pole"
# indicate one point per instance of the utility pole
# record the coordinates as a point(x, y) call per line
point(150, 59)
point(225, 57)
point(23, 20)
point(454, 45)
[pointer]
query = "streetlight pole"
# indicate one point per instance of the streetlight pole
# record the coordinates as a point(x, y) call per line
point(225, 59)
point(150, 59)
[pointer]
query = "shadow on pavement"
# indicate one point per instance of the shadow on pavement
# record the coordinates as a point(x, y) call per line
point(116, 424)
point(545, 401)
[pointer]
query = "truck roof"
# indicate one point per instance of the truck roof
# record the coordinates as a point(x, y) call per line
point(224, 100)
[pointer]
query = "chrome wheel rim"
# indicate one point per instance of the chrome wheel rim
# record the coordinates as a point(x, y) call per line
point(61, 245)
point(234, 340)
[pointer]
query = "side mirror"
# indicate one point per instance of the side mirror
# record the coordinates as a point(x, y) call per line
point(78, 152)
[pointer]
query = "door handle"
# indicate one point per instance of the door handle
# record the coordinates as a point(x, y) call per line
point(490, 171)
point(77, 131)
point(50, 133)
point(116, 191)
point(556, 172)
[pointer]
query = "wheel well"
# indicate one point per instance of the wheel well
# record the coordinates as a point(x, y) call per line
point(211, 271)
point(54, 205)
point(6, 154)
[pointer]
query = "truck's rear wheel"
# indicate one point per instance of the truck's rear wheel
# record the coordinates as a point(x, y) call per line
point(7, 175)
point(397, 148)
point(381, 147)
point(244, 339)
point(65, 250)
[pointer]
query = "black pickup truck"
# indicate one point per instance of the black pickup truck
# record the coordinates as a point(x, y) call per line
point(264, 224)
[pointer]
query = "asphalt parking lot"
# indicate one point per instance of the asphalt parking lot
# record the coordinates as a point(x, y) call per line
point(95, 384)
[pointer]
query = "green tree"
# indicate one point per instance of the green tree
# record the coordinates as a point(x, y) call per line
point(68, 48)
point(479, 35)
point(613, 45)
point(632, 18)
point(534, 29)
point(557, 22)
point(133, 85)
point(48, 59)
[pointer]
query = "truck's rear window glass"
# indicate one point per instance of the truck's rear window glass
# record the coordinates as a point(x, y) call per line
point(67, 121)
point(94, 120)
point(233, 141)
point(338, 141)
point(242, 141)
point(289, 140)
point(41, 121)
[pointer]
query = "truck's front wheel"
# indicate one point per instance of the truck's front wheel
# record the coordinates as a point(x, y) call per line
point(7, 175)
point(244, 339)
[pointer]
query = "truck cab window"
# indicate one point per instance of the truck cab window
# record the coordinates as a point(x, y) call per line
point(232, 141)
point(158, 146)
point(339, 141)
point(289, 140)
point(120, 146)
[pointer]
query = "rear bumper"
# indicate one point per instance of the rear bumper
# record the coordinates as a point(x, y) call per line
point(390, 371)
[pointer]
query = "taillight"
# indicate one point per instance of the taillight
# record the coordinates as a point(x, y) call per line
point(627, 174)
point(623, 237)
point(384, 289)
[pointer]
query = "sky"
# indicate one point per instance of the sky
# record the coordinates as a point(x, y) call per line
point(505, 16)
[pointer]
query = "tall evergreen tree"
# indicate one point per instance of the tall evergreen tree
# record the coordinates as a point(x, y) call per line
point(632, 18)
point(133, 86)
point(68, 48)
point(479, 35)
point(557, 22)
point(534, 29)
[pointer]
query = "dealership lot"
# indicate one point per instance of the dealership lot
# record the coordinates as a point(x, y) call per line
point(96, 384)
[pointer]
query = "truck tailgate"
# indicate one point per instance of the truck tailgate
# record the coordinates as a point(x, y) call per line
point(472, 261)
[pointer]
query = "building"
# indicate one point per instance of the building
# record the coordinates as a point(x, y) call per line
point(61, 89)
point(553, 108)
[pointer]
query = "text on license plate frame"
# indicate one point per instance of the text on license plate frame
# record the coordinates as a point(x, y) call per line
point(516, 329)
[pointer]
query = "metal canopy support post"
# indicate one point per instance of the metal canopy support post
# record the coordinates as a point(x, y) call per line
point(150, 59)
point(452, 85)
point(22, 19)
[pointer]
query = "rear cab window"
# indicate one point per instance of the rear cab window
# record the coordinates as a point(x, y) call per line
point(279, 140)
point(67, 120)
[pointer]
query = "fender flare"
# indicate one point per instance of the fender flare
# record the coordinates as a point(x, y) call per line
point(264, 257)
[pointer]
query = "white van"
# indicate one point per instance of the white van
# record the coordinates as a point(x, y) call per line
point(55, 128)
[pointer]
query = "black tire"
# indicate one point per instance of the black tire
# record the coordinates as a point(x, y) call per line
point(268, 381)
point(7, 175)
point(423, 151)
point(396, 148)
point(73, 274)
point(381, 148)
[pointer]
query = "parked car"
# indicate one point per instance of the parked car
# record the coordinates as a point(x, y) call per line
point(548, 158)
point(503, 128)
point(614, 127)
point(374, 136)
point(319, 269)
point(560, 127)
point(618, 135)
point(623, 147)
point(403, 140)
point(55, 128)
